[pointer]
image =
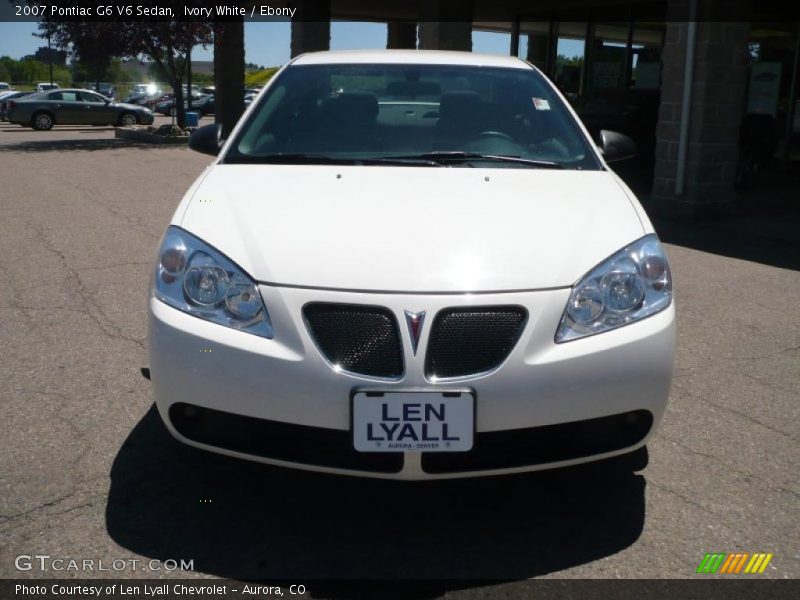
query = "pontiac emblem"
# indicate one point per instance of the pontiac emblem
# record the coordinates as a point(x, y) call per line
point(414, 320)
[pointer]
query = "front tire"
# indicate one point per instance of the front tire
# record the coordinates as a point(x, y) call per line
point(128, 119)
point(42, 121)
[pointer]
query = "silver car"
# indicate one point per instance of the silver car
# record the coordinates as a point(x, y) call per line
point(75, 107)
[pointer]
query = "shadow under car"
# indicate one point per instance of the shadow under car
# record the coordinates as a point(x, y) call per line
point(244, 520)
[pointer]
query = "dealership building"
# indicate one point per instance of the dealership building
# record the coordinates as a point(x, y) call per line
point(678, 76)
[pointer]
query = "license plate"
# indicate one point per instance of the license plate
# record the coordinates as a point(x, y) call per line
point(413, 421)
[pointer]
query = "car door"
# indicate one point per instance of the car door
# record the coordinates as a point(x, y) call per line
point(96, 110)
point(66, 107)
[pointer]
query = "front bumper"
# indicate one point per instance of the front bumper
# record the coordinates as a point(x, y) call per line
point(281, 402)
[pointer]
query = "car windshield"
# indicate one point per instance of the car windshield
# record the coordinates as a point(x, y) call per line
point(433, 115)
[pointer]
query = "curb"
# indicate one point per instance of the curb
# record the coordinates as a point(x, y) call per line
point(143, 134)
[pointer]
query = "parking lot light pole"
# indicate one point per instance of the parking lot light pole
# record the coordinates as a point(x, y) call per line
point(50, 58)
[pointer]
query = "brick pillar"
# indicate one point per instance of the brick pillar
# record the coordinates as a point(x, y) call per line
point(537, 50)
point(401, 35)
point(229, 73)
point(717, 106)
point(311, 27)
point(446, 25)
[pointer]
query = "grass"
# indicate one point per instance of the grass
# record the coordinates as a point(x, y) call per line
point(259, 78)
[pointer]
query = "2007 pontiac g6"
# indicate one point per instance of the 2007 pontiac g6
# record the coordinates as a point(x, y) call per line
point(411, 265)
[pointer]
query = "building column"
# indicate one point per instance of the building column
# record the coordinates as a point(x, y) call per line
point(718, 90)
point(537, 50)
point(311, 27)
point(401, 35)
point(446, 25)
point(228, 73)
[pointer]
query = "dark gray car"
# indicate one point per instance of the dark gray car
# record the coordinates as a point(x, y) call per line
point(75, 107)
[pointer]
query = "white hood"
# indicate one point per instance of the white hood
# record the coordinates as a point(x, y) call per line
point(412, 229)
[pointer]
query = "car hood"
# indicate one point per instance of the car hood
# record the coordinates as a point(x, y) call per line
point(412, 229)
point(128, 105)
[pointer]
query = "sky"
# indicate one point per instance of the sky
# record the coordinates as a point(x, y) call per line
point(268, 43)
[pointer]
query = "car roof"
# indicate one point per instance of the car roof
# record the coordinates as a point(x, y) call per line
point(420, 57)
point(72, 90)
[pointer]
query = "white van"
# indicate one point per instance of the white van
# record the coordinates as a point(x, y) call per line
point(44, 86)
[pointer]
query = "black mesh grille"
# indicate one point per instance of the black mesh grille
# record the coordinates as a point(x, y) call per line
point(465, 341)
point(360, 339)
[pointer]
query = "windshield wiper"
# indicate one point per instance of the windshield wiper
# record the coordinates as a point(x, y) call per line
point(458, 156)
point(297, 158)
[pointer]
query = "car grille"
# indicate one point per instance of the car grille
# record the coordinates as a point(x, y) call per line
point(546, 444)
point(357, 338)
point(467, 341)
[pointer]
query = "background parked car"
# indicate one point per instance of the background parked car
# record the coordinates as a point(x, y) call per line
point(204, 106)
point(3, 94)
point(4, 102)
point(108, 90)
point(151, 101)
point(75, 107)
point(135, 98)
point(148, 89)
point(201, 103)
point(44, 86)
point(5, 87)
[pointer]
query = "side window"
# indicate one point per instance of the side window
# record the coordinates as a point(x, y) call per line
point(69, 96)
point(55, 96)
point(89, 97)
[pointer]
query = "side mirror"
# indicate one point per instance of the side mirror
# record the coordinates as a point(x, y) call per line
point(206, 139)
point(616, 146)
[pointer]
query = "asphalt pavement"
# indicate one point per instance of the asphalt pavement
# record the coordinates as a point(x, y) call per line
point(87, 470)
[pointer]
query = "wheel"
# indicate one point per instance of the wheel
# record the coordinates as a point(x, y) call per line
point(127, 119)
point(42, 121)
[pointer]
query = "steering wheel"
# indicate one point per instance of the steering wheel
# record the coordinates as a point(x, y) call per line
point(496, 134)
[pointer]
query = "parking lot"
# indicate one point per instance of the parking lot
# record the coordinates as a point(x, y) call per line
point(87, 470)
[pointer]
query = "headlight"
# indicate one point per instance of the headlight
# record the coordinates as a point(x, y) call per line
point(628, 286)
point(195, 278)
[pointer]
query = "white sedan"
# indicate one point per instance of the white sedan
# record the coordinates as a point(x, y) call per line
point(411, 265)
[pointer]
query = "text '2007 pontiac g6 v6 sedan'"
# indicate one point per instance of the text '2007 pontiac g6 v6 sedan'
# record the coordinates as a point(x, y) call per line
point(412, 265)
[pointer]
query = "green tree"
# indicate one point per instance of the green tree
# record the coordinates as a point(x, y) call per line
point(46, 55)
point(6, 63)
point(112, 74)
point(169, 43)
point(96, 44)
point(30, 70)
